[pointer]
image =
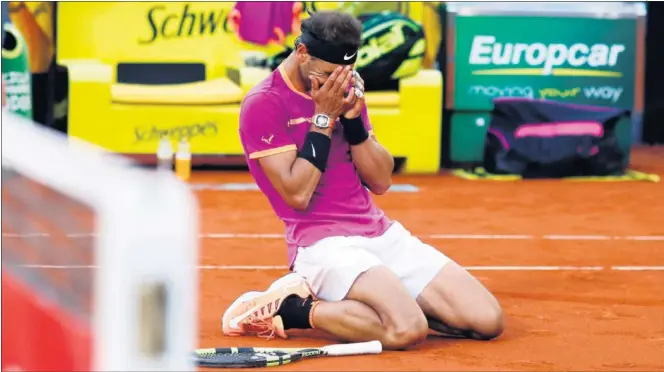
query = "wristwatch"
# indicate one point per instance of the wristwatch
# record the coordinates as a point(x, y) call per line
point(321, 121)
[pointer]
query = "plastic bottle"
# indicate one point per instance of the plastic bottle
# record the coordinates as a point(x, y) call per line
point(183, 160)
point(165, 154)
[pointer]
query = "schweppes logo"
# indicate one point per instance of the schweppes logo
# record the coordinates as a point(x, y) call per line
point(579, 59)
point(187, 22)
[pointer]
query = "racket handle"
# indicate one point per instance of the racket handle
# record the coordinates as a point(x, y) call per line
point(371, 347)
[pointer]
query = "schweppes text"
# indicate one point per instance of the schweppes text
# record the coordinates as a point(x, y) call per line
point(165, 24)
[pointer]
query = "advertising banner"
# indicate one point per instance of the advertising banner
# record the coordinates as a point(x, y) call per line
point(34, 20)
point(580, 60)
point(16, 77)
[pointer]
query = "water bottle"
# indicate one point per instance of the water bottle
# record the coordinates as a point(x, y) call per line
point(183, 160)
point(165, 154)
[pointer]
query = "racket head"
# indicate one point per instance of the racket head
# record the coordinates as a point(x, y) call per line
point(250, 357)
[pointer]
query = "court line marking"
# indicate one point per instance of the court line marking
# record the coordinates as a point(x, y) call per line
point(464, 237)
point(469, 268)
point(644, 238)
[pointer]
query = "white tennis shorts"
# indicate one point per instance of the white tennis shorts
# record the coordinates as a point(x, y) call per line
point(332, 265)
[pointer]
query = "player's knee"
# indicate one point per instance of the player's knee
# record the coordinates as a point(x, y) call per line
point(406, 333)
point(489, 323)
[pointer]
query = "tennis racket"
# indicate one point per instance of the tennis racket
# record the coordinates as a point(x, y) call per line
point(251, 357)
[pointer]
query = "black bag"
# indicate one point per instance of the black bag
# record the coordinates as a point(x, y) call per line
point(548, 139)
point(392, 48)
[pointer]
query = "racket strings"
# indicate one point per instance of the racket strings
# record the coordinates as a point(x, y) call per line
point(206, 355)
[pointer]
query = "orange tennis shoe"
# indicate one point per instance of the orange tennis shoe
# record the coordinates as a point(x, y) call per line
point(254, 313)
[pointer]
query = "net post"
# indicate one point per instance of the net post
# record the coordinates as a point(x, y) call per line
point(144, 257)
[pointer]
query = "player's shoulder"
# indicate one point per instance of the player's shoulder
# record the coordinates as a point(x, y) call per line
point(263, 104)
point(270, 90)
point(266, 95)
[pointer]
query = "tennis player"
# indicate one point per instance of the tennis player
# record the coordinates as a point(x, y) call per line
point(356, 274)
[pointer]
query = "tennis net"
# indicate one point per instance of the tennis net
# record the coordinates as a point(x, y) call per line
point(98, 258)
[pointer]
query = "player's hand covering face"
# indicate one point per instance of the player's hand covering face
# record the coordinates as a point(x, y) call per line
point(329, 97)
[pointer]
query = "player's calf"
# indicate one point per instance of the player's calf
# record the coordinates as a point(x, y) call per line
point(377, 307)
point(403, 324)
point(459, 305)
point(353, 321)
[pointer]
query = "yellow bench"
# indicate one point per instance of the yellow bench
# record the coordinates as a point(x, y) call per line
point(130, 118)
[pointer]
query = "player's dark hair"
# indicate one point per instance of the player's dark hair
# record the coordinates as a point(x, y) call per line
point(334, 28)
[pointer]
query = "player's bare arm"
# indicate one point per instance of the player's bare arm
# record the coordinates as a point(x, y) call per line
point(294, 178)
point(373, 162)
point(296, 175)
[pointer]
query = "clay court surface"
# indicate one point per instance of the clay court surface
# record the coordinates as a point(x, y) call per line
point(578, 268)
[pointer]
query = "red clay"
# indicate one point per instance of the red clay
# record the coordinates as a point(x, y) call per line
point(556, 320)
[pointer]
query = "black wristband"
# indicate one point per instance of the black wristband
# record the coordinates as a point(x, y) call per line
point(316, 150)
point(354, 130)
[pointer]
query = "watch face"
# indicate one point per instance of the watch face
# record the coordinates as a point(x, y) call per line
point(321, 121)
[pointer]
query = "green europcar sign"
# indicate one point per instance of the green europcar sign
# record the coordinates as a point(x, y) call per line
point(576, 60)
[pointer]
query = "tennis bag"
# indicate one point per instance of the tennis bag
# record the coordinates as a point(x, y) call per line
point(548, 139)
point(392, 48)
